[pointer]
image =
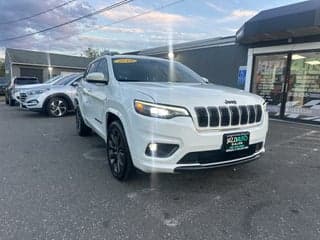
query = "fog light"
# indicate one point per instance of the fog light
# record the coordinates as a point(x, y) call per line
point(259, 146)
point(153, 147)
point(161, 150)
point(32, 102)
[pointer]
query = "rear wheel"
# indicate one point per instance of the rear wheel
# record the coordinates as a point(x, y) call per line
point(118, 153)
point(82, 128)
point(57, 107)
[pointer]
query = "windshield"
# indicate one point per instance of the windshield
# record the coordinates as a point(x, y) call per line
point(54, 79)
point(152, 70)
point(25, 80)
point(66, 79)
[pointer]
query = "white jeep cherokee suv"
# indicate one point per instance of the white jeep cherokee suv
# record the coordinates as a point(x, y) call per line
point(160, 116)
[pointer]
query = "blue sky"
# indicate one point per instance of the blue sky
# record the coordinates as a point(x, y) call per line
point(186, 20)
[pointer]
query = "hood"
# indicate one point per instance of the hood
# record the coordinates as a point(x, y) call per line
point(194, 94)
point(32, 86)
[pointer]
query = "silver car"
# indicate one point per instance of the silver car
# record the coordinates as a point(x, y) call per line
point(24, 88)
point(13, 86)
point(56, 99)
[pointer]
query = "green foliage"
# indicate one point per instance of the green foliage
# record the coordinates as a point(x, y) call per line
point(94, 53)
point(2, 69)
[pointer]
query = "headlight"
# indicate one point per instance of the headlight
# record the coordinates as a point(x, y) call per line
point(159, 110)
point(36, 92)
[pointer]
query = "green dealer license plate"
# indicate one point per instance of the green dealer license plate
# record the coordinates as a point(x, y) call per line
point(236, 141)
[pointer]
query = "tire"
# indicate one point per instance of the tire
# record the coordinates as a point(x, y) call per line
point(7, 100)
point(118, 153)
point(57, 107)
point(11, 102)
point(82, 129)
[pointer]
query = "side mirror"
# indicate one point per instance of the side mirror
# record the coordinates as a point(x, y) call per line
point(96, 77)
point(75, 84)
point(205, 80)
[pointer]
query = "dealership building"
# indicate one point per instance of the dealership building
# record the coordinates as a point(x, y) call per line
point(42, 65)
point(275, 54)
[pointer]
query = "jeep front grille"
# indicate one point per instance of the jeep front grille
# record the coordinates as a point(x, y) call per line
point(226, 116)
point(202, 116)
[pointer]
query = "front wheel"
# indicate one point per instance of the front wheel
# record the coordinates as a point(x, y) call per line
point(118, 153)
point(57, 107)
point(82, 128)
point(11, 101)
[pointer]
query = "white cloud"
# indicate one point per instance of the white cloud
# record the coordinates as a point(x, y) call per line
point(94, 39)
point(238, 14)
point(150, 30)
point(120, 29)
point(231, 30)
point(215, 6)
point(154, 17)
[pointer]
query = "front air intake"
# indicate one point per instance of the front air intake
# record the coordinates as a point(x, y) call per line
point(202, 116)
point(228, 116)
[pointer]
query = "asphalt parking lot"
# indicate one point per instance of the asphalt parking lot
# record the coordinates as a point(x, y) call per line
point(56, 185)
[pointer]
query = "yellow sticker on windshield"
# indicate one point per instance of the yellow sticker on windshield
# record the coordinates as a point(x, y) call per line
point(125, 60)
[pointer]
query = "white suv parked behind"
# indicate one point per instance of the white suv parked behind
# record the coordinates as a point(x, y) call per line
point(55, 98)
point(160, 116)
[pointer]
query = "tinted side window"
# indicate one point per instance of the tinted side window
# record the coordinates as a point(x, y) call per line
point(103, 68)
point(21, 81)
point(93, 67)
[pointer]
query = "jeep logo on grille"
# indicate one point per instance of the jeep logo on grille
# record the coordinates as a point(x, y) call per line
point(230, 102)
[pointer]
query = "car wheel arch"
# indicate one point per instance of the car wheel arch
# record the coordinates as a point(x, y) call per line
point(64, 96)
point(113, 115)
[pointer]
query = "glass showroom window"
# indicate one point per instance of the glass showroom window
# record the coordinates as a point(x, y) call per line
point(269, 78)
point(303, 92)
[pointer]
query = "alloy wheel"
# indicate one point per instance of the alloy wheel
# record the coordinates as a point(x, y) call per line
point(116, 152)
point(58, 107)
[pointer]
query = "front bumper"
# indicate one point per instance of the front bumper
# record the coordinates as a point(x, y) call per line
point(33, 102)
point(181, 131)
point(220, 164)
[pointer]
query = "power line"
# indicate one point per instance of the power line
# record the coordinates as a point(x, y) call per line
point(37, 14)
point(115, 5)
point(124, 19)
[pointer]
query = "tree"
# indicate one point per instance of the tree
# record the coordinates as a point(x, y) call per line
point(94, 53)
point(2, 70)
point(108, 52)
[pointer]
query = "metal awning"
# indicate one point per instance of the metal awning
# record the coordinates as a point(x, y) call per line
point(291, 21)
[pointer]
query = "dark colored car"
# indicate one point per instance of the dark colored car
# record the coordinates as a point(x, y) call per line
point(3, 85)
point(10, 90)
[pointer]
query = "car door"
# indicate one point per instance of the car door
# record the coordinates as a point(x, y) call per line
point(85, 89)
point(99, 96)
